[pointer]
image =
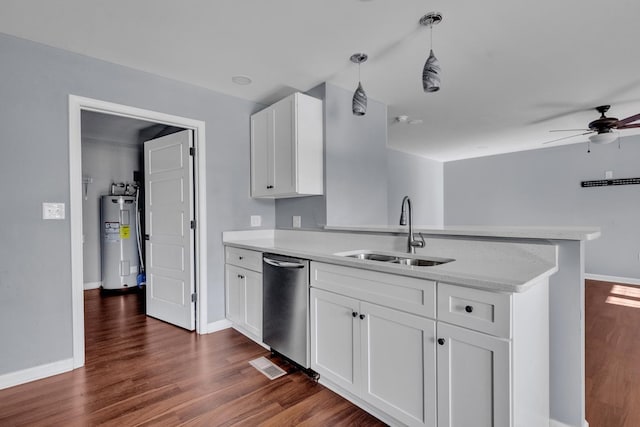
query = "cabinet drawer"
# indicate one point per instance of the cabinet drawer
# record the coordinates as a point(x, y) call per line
point(251, 260)
point(400, 292)
point(483, 311)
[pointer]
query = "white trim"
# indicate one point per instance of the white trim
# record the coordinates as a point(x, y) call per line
point(218, 326)
point(92, 285)
point(76, 105)
point(37, 372)
point(616, 279)
point(555, 423)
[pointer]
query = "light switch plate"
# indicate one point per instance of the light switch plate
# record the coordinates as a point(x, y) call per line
point(256, 220)
point(297, 221)
point(608, 175)
point(52, 210)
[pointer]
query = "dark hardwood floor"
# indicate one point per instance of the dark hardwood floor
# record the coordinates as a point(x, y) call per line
point(612, 324)
point(140, 371)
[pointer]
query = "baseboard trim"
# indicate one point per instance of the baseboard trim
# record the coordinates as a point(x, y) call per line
point(218, 326)
point(616, 279)
point(554, 423)
point(36, 373)
point(91, 285)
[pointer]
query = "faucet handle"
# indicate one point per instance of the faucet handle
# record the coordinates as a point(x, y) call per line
point(419, 243)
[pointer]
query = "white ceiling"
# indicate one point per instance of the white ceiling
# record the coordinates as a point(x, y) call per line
point(508, 67)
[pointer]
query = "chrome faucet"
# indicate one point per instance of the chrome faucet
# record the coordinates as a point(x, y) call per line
point(412, 243)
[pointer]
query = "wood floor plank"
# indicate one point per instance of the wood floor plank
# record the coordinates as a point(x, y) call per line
point(612, 354)
point(141, 371)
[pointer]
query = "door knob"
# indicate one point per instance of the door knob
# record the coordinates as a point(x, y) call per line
point(468, 308)
point(441, 341)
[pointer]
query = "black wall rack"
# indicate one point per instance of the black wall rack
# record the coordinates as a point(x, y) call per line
point(607, 182)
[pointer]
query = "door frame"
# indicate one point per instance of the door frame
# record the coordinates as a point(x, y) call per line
point(77, 104)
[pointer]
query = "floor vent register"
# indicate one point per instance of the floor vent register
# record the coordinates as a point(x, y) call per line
point(268, 368)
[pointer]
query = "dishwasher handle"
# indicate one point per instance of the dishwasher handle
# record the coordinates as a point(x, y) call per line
point(283, 264)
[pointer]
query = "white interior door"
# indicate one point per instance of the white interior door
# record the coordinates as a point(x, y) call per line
point(169, 246)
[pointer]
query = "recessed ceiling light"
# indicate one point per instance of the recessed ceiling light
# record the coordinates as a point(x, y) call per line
point(241, 80)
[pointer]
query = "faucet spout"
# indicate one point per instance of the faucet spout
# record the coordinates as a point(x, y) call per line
point(405, 212)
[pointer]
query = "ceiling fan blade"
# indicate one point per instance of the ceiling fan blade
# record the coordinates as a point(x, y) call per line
point(569, 130)
point(629, 119)
point(566, 137)
point(636, 125)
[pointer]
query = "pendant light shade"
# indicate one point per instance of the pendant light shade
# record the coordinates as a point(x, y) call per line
point(431, 74)
point(431, 69)
point(359, 103)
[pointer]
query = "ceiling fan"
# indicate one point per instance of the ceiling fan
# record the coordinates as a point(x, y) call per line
point(602, 129)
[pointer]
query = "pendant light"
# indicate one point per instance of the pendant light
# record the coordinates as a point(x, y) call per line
point(359, 103)
point(431, 70)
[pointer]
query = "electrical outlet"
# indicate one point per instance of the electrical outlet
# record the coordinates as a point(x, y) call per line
point(608, 175)
point(297, 221)
point(52, 210)
point(256, 220)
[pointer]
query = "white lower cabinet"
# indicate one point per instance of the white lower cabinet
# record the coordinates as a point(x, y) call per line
point(381, 355)
point(482, 359)
point(473, 378)
point(243, 288)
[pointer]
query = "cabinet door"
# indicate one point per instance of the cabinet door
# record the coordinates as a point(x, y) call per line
point(252, 283)
point(284, 158)
point(473, 379)
point(335, 350)
point(234, 288)
point(399, 364)
point(261, 153)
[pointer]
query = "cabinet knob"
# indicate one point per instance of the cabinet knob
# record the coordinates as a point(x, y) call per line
point(441, 341)
point(354, 314)
point(240, 276)
point(362, 316)
point(468, 308)
point(269, 187)
point(240, 258)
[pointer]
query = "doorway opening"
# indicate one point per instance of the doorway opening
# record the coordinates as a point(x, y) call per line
point(82, 111)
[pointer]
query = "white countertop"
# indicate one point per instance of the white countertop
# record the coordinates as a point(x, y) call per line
point(507, 266)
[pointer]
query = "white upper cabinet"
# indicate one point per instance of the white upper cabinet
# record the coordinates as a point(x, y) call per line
point(287, 148)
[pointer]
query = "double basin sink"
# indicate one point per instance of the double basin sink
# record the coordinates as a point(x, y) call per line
point(407, 259)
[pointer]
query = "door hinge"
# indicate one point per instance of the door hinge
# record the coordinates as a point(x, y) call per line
point(193, 224)
point(194, 297)
point(192, 151)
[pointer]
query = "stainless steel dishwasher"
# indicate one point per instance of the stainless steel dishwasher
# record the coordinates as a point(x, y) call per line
point(285, 311)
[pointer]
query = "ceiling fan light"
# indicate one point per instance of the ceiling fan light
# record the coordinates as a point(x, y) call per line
point(603, 138)
point(359, 104)
point(431, 74)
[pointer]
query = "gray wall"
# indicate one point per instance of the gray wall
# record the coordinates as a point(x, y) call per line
point(364, 180)
point(422, 180)
point(35, 267)
point(355, 167)
point(542, 187)
point(105, 162)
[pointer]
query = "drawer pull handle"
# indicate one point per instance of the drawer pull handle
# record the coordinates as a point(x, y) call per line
point(468, 309)
point(354, 314)
point(269, 187)
point(441, 341)
point(361, 316)
point(240, 276)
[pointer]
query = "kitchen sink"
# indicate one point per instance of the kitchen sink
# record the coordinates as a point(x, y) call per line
point(397, 258)
point(374, 257)
point(419, 262)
